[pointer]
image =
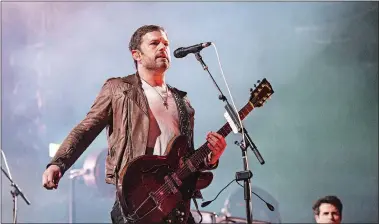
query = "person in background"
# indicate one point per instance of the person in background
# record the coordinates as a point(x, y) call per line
point(328, 209)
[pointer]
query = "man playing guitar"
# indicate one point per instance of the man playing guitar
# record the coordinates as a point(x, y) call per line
point(142, 114)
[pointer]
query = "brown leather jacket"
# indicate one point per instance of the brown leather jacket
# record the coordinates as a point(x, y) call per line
point(121, 107)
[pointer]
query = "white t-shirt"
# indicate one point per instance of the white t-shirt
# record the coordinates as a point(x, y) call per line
point(164, 122)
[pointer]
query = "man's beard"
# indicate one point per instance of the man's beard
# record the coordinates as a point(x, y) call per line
point(154, 65)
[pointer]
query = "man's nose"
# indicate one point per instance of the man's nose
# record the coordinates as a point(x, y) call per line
point(162, 46)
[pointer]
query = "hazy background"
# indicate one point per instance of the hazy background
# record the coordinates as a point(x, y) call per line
point(318, 133)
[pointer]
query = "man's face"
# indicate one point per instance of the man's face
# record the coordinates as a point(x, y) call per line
point(154, 53)
point(328, 214)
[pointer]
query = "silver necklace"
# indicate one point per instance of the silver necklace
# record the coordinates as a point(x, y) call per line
point(164, 99)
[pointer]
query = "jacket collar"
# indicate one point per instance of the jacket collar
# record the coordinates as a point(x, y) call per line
point(135, 80)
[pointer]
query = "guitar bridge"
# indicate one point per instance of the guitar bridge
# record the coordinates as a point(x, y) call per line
point(152, 197)
point(134, 217)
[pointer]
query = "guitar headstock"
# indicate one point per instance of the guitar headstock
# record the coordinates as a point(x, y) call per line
point(261, 93)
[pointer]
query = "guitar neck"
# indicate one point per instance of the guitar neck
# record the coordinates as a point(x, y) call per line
point(200, 154)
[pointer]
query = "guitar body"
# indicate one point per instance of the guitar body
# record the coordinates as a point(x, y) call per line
point(150, 196)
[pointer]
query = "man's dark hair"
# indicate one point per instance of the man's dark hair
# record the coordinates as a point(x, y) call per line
point(135, 41)
point(333, 200)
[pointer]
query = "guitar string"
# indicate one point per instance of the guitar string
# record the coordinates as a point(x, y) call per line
point(165, 186)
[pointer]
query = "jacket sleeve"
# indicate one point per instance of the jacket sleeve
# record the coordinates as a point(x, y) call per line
point(86, 131)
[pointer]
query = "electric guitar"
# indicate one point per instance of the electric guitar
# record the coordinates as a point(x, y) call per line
point(158, 189)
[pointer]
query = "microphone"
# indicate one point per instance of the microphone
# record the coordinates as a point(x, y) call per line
point(206, 203)
point(181, 52)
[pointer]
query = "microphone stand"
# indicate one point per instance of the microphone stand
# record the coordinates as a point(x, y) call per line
point(246, 174)
point(74, 175)
point(71, 200)
point(15, 192)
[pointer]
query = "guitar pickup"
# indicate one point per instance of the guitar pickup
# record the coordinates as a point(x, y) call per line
point(170, 184)
point(176, 179)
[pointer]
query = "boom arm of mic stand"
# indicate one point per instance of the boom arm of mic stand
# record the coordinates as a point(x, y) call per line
point(253, 147)
point(250, 142)
point(17, 191)
point(205, 67)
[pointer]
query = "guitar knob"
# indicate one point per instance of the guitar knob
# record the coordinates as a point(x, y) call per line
point(177, 212)
point(169, 221)
point(181, 219)
point(182, 213)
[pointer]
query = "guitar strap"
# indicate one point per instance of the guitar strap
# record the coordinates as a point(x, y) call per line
point(184, 119)
point(185, 129)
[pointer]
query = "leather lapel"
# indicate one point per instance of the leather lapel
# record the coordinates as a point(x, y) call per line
point(136, 95)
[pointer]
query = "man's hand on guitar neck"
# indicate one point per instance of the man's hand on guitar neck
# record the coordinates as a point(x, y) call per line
point(217, 144)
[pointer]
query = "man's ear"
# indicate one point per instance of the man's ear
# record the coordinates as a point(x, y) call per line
point(136, 54)
point(316, 218)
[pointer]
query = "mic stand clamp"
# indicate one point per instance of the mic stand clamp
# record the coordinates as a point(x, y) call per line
point(200, 59)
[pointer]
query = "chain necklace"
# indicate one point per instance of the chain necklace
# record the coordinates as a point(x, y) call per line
point(164, 99)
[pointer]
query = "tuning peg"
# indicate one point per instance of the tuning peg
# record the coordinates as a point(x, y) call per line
point(258, 81)
point(251, 90)
point(255, 85)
